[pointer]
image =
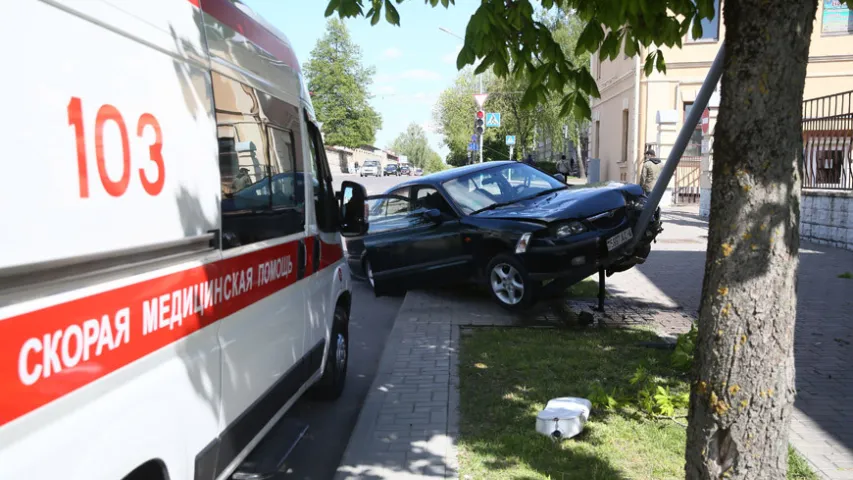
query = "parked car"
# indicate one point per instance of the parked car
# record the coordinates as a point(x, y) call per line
point(405, 169)
point(508, 225)
point(419, 171)
point(391, 169)
point(371, 168)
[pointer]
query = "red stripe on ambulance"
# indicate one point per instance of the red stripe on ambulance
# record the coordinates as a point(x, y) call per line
point(51, 352)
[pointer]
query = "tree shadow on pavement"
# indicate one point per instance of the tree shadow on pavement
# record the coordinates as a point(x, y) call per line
point(823, 339)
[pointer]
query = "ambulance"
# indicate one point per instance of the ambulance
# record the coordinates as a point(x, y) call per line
point(171, 269)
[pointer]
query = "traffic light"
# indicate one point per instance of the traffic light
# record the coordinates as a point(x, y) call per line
point(480, 122)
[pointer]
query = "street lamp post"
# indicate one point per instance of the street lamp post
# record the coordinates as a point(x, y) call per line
point(479, 78)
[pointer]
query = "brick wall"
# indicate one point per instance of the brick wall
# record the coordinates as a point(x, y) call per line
point(826, 217)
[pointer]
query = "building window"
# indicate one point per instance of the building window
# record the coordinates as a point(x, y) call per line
point(836, 19)
point(598, 65)
point(710, 27)
point(694, 145)
point(624, 136)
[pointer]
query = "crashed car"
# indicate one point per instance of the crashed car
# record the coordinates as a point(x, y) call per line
point(508, 225)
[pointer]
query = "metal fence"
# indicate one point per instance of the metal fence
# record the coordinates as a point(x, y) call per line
point(687, 174)
point(828, 142)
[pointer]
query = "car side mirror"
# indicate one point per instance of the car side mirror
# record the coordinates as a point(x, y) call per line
point(433, 214)
point(353, 209)
point(560, 177)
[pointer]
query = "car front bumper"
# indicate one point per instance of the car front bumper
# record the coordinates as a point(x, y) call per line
point(572, 260)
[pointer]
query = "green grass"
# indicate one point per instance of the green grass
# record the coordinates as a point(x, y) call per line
point(507, 376)
point(587, 288)
point(846, 275)
point(798, 468)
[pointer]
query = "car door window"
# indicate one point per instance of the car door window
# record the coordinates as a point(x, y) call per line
point(429, 197)
point(393, 212)
point(400, 203)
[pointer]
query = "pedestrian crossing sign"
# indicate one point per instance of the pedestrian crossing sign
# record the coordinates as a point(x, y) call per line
point(493, 119)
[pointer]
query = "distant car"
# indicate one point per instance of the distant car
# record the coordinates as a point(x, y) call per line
point(508, 225)
point(419, 171)
point(405, 169)
point(371, 168)
point(391, 169)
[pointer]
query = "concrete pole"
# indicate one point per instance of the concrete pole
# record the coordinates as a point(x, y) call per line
point(702, 97)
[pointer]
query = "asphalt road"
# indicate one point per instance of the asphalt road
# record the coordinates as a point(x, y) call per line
point(374, 185)
point(317, 456)
point(330, 424)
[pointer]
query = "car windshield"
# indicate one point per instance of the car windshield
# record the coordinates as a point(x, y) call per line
point(504, 184)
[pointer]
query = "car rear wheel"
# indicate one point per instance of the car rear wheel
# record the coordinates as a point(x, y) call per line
point(509, 283)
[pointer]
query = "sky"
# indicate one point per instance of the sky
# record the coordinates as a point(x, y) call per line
point(414, 62)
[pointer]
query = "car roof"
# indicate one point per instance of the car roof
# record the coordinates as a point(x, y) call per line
point(450, 174)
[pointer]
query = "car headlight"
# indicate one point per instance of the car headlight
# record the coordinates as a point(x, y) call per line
point(573, 228)
point(523, 242)
point(637, 203)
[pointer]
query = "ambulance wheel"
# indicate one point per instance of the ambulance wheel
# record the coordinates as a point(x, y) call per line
point(331, 384)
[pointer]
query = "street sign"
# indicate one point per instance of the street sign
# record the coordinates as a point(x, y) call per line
point(493, 119)
point(705, 121)
point(510, 139)
point(480, 99)
point(474, 138)
point(473, 146)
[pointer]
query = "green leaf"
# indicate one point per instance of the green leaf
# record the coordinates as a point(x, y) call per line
point(649, 66)
point(697, 28)
point(391, 14)
point(610, 46)
point(567, 105)
point(538, 75)
point(465, 57)
point(582, 110)
point(333, 5)
point(349, 8)
point(500, 67)
point(590, 37)
point(529, 97)
point(485, 64)
point(631, 46)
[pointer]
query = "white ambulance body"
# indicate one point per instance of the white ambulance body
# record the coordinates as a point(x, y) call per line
point(166, 292)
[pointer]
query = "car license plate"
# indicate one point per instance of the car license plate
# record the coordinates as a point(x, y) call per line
point(619, 239)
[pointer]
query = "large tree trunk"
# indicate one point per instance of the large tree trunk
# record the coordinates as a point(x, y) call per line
point(741, 402)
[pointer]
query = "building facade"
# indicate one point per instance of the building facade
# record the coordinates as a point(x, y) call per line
point(636, 112)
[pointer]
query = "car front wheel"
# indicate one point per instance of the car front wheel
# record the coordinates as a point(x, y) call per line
point(509, 283)
point(331, 384)
point(368, 270)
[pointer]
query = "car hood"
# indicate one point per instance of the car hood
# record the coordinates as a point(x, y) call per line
point(572, 203)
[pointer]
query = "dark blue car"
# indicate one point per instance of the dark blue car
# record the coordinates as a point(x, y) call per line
point(506, 224)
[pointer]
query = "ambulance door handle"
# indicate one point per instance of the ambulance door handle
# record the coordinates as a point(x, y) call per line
point(300, 261)
point(316, 265)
